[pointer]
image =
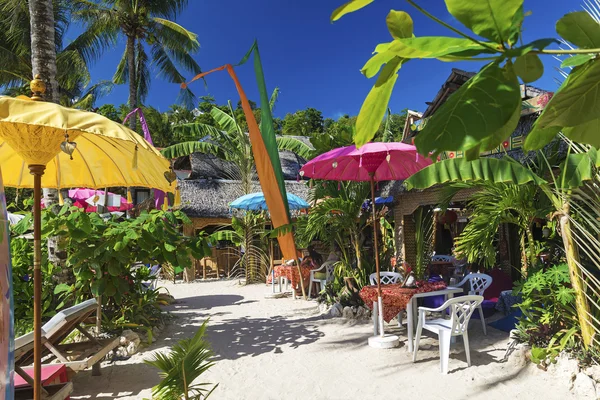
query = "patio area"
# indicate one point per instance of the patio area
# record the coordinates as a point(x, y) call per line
point(283, 349)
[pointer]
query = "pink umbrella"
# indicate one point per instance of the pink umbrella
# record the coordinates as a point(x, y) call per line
point(370, 163)
point(80, 197)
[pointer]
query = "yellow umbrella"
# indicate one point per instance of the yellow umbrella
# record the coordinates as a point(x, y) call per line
point(47, 145)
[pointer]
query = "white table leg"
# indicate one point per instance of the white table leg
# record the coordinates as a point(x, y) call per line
point(410, 324)
point(375, 315)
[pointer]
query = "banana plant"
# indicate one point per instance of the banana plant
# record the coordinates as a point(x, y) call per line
point(576, 169)
point(484, 111)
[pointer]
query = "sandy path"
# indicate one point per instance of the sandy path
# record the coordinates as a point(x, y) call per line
point(281, 349)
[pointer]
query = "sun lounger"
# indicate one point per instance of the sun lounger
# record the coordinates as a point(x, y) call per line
point(75, 356)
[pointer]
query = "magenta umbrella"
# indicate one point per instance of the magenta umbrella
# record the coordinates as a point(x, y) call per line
point(79, 197)
point(373, 162)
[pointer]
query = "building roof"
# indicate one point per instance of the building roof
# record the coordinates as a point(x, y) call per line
point(209, 166)
point(210, 198)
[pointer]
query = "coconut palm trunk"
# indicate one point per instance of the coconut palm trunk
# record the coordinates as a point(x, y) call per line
point(577, 282)
point(43, 51)
point(132, 77)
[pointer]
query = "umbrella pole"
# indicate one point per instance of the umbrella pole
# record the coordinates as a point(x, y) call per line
point(37, 171)
point(376, 249)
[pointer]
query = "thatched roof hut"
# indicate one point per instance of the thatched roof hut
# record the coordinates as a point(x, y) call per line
point(210, 188)
point(210, 198)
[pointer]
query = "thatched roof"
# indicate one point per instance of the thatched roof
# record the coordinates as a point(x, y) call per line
point(210, 198)
point(208, 166)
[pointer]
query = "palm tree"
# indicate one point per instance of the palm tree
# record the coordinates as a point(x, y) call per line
point(558, 188)
point(43, 51)
point(229, 142)
point(338, 216)
point(145, 25)
point(187, 360)
point(72, 61)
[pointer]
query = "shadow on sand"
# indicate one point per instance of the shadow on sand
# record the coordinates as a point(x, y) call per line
point(231, 339)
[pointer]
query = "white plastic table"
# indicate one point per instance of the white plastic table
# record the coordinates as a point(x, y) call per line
point(411, 309)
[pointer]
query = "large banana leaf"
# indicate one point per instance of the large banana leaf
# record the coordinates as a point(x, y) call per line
point(287, 143)
point(483, 169)
point(188, 148)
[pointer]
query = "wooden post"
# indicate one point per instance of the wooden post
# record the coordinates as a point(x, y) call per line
point(37, 171)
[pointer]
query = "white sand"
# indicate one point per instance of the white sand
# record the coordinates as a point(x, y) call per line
point(281, 349)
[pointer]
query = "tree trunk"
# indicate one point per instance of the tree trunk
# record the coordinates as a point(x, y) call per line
point(43, 63)
point(524, 260)
point(133, 101)
point(577, 282)
point(43, 50)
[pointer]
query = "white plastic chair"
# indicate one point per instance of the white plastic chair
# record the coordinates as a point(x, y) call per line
point(442, 258)
point(387, 278)
point(154, 271)
point(478, 283)
point(461, 310)
point(329, 267)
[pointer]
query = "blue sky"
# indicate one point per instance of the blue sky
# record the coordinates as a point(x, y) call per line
point(316, 63)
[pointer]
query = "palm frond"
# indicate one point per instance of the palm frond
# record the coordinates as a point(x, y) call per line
point(181, 366)
point(187, 148)
point(296, 146)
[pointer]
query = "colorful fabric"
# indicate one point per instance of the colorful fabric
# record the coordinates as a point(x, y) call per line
point(291, 273)
point(6, 305)
point(264, 149)
point(395, 297)
point(159, 196)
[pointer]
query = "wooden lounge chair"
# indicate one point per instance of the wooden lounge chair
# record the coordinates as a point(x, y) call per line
point(75, 356)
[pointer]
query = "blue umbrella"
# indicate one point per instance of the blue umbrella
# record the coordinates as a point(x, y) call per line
point(256, 202)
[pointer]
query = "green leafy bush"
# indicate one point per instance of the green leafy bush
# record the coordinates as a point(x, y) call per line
point(101, 254)
point(549, 321)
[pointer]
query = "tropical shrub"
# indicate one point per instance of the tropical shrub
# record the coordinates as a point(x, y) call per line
point(101, 254)
point(549, 321)
point(181, 366)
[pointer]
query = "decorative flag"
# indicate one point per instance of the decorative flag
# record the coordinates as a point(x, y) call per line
point(7, 340)
point(264, 149)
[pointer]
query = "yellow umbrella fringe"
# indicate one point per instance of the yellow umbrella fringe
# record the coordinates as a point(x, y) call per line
point(61, 201)
point(166, 203)
point(129, 199)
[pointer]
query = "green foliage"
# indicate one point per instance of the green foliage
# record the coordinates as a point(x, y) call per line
point(338, 218)
point(73, 59)
point(101, 254)
point(181, 366)
point(21, 250)
point(580, 29)
point(465, 112)
point(549, 319)
point(375, 105)
point(149, 26)
point(496, 204)
point(349, 7)
point(461, 170)
point(303, 122)
point(400, 24)
point(491, 19)
point(486, 110)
